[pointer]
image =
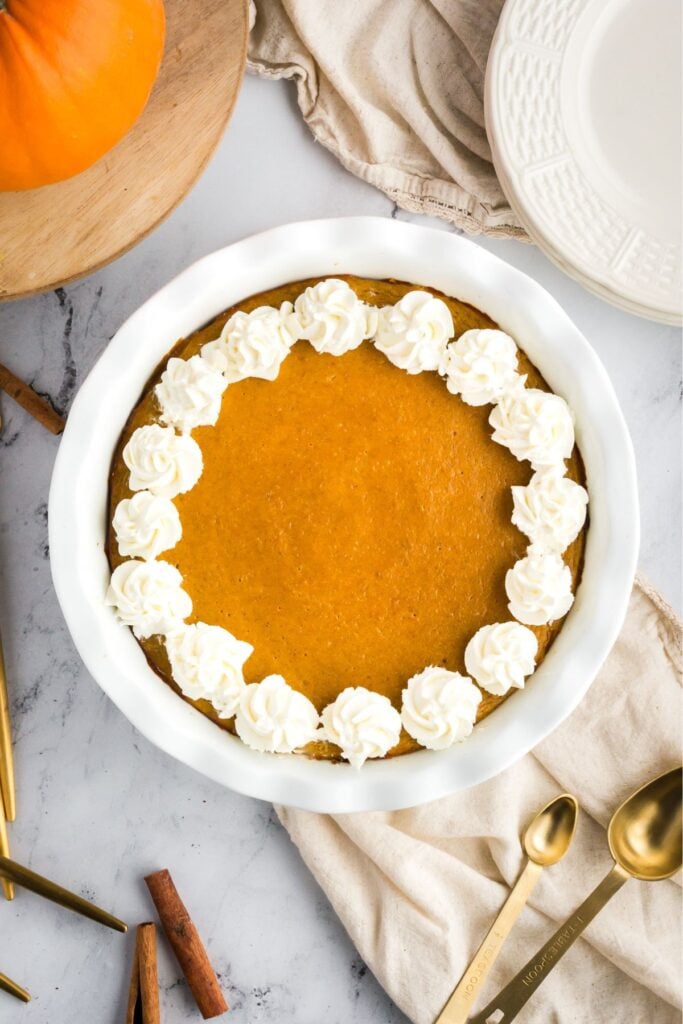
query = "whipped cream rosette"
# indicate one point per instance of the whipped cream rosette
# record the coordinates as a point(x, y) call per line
point(145, 525)
point(413, 334)
point(439, 707)
point(332, 318)
point(539, 588)
point(189, 393)
point(551, 510)
point(162, 461)
point(148, 597)
point(251, 345)
point(534, 425)
point(274, 718)
point(501, 656)
point(362, 723)
point(481, 366)
point(207, 663)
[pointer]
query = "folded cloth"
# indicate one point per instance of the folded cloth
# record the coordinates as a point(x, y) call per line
point(418, 889)
point(395, 89)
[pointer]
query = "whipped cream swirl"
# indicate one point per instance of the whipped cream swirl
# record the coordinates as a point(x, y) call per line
point(162, 461)
point(148, 597)
point(145, 525)
point(414, 333)
point(439, 707)
point(332, 317)
point(206, 663)
point(252, 344)
point(189, 393)
point(551, 509)
point(362, 724)
point(534, 425)
point(481, 366)
point(501, 656)
point(275, 718)
point(539, 588)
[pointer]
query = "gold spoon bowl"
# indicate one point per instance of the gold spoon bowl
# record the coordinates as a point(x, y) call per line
point(549, 835)
point(644, 834)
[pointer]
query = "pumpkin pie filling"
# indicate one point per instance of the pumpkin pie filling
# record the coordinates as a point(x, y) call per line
point(352, 522)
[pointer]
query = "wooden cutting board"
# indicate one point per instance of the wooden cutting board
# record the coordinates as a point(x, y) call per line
point(51, 235)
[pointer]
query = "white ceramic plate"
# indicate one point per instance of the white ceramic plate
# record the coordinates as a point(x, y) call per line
point(583, 112)
point(369, 247)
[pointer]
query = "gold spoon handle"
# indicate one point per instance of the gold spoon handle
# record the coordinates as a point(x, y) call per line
point(513, 997)
point(7, 887)
point(28, 879)
point(456, 1010)
point(7, 985)
point(7, 792)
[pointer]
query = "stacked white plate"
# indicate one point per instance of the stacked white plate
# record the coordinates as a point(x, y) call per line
point(583, 109)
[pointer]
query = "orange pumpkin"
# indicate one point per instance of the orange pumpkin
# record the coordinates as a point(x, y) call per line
point(74, 76)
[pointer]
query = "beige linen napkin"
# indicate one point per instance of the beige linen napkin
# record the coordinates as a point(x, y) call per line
point(395, 89)
point(417, 889)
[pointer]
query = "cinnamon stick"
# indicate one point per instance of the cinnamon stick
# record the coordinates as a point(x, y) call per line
point(187, 945)
point(143, 995)
point(30, 401)
point(133, 1009)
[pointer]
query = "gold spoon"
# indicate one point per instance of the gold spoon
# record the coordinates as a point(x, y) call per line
point(7, 985)
point(7, 887)
point(644, 838)
point(7, 788)
point(28, 879)
point(545, 842)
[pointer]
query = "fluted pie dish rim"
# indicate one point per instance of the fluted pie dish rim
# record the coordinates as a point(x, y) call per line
point(373, 248)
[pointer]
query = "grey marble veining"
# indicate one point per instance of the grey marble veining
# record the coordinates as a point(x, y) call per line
point(98, 805)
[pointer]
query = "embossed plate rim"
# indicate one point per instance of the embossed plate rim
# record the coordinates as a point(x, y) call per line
point(512, 36)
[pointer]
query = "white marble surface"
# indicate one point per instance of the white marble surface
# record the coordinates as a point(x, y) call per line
point(98, 805)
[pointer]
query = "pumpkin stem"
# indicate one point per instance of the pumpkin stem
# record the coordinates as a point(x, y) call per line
point(3, 6)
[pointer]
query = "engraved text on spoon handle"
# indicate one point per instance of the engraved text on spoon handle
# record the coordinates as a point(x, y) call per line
point(512, 998)
point(456, 1010)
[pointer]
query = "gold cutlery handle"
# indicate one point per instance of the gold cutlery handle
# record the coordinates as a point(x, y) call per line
point(513, 997)
point(7, 789)
point(7, 887)
point(456, 1010)
point(28, 879)
point(7, 985)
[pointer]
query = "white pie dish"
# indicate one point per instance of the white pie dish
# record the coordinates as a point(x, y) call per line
point(369, 247)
